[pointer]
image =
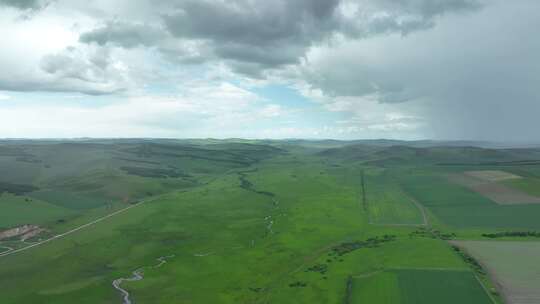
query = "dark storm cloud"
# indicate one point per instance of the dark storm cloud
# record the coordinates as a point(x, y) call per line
point(25, 4)
point(471, 77)
point(252, 36)
point(252, 22)
point(274, 33)
point(270, 33)
point(403, 16)
point(127, 35)
point(430, 8)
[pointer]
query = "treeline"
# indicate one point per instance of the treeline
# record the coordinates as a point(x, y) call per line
point(17, 189)
point(432, 233)
point(494, 163)
point(247, 185)
point(470, 260)
point(347, 247)
point(154, 172)
point(512, 234)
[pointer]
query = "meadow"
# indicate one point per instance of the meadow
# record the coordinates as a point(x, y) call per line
point(248, 222)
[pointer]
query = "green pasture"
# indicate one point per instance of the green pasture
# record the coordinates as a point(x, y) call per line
point(247, 222)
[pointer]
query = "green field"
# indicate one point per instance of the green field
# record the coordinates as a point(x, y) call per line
point(460, 207)
point(377, 288)
point(18, 210)
point(528, 185)
point(246, 222)
point(419, 286)
point(387, 203)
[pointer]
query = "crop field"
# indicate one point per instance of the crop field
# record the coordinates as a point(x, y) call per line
point(388, 204)
point(530, 186)
point(460, 207)
point(377, 288)
point(487, 183)
point(514, 266)
point(227, 221)
point(419, 286)
point(491, 175)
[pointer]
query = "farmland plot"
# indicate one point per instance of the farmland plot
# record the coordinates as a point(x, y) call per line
point(419, 286)
point(514, 266)
point(487, 184)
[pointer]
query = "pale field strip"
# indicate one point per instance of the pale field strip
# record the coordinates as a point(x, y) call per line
point(492, 175)
point(487, 183)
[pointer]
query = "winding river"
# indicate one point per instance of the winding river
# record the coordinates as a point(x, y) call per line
point(138, 275)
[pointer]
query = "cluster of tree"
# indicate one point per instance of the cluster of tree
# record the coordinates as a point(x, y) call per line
point(154, 172)
point(347, 247)
point(256, 289)
point(512, 234)
point(247, 185)
point(320, 268)
point(298, 284)
point(432, 233)
point(470, 260)
point(17, 189)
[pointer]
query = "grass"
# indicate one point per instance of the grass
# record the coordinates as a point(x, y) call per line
point(378, 288)
point(69, 200)
point(440, 286)
point(387, 202)
point(418, 286)
point(249, 222)
point(18, 210)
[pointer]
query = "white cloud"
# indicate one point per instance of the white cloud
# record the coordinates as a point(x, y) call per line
point(4, 96)
point(204, 110)
point(272, 110)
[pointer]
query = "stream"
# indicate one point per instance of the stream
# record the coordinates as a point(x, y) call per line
point(138, 275)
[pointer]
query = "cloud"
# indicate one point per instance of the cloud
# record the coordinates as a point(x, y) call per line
point(90, 71)
point(4, 96)
point(205, 109)
point(25, 4)
point(254, 36)
point(124, 34)
point(271, 110)
point(477, 83)
point(433, 68)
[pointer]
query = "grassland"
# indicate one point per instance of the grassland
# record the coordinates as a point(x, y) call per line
point(17, 210)
point(248, 222)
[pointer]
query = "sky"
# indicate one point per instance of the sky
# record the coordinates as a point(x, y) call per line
point(342, 69)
